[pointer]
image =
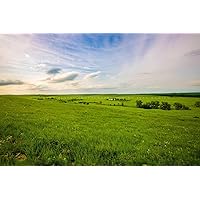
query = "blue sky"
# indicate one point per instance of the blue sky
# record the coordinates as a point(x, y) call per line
point(99, 63)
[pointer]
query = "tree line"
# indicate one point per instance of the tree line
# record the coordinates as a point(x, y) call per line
point(162, 105)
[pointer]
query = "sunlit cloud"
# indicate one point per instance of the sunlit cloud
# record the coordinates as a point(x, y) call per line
point(70, 76)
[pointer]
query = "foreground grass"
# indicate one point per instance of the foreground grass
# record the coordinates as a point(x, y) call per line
point(61, 130)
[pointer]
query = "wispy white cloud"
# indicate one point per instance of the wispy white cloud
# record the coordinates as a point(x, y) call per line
point(92, 75)
point(69, 76)
point(164, 63)
point(37, 88)
point(41, 65)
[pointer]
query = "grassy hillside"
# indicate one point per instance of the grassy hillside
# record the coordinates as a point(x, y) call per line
point(97, 130)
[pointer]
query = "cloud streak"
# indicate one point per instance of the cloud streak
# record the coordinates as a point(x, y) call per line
point(70, 76)
point(54, 71)
point(92, 75)
point(10, 82)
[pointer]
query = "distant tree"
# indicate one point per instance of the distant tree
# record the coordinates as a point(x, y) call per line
point(139, 104)
point(178, 106)
point(155, 104)
point(147, 105)
point(122, 104)
point(151, 105)
point(165, 106)
point(197, 104)
point(186, 108)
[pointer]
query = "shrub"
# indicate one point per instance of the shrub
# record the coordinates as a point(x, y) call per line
point(165, 106)
point(185, 107)
point(155, 104)
point(139, 104)
point(197, 104)
point(179, 106)
point(147, 105)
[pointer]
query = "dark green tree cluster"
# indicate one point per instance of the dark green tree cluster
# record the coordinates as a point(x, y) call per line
point(151, 105)
point(165, 106)
point(154, 104)
point(162, 105)
point(148, 105)
point(179, 106)
point(139, 104)
point(197, 104)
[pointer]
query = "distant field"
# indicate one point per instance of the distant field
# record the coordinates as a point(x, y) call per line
point(97, 130)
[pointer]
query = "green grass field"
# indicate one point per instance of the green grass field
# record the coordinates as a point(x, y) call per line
point(96, 130)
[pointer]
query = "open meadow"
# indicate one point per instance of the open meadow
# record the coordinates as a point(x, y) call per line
point(97, 130)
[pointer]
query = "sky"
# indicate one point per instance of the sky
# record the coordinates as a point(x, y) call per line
point(99, 63)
